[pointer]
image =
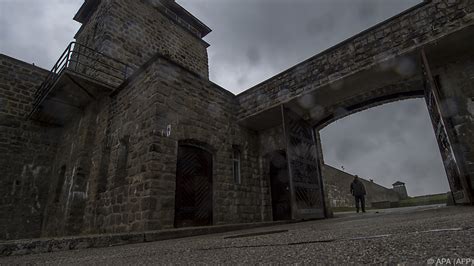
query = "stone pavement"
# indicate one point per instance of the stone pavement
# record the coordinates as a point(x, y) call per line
point(43, 245)
point(414, 235)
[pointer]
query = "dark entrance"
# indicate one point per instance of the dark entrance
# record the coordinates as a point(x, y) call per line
point(280, 186)
point(193, 200)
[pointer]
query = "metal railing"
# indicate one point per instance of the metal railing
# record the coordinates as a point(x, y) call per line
point(86, 62)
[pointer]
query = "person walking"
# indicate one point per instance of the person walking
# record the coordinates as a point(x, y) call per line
point(358, 191)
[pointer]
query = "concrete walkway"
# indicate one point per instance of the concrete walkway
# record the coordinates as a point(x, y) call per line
point(418, 235)
point(388, 211)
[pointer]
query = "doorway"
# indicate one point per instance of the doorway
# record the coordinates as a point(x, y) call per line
point(193, 198)
point(280, 186)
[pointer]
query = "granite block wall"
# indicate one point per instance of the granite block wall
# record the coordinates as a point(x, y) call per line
point(163, 106)
point(200, 111)
point(117, 31)
point(26, 151)
point(405, 32)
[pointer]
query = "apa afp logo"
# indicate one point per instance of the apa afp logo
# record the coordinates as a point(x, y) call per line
point(450, 261)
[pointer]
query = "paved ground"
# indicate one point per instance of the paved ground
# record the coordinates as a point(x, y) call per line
point(403, 235)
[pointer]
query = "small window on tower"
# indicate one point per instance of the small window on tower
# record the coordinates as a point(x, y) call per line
point(236, 164)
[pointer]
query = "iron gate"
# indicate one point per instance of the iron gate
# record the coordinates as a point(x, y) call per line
point(303, 163)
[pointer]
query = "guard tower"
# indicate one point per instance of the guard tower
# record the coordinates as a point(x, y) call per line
point(112, 43)
point(400, 188)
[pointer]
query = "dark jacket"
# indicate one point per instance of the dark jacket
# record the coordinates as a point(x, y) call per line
point(357, 188)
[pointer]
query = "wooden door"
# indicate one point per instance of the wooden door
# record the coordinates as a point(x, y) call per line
point(193, 199)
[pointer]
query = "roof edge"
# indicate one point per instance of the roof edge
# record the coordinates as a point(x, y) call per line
point(84, 12)
point(185, 15)
point(334, 47)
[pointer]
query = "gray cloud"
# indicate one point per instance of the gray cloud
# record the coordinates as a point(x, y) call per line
point(37, 31)
point(253, 55)
point(284, 32)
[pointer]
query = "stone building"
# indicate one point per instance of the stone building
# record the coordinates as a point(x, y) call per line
point(127, 133)
point(400, 188)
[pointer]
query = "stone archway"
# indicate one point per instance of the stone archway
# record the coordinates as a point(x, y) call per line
point(434, 71)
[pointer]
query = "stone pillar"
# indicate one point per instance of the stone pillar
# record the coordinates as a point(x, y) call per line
point(449, 93)
point(456, 85)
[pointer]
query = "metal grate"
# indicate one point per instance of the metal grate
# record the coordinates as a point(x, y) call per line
point(304, 168)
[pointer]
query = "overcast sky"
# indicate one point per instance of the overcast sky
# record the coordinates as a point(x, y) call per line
point(253, 40)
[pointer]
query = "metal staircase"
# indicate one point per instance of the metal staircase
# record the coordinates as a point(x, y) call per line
point(80, 74)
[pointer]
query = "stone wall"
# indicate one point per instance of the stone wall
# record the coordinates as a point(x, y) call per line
point(401, 34)
point(198, 110)
point(72, 186)
point(337, 187)
point(163, 96)
point(94, 37)
point(117, 31)
point(26, 151)
point(108, 155)
point(401, 90)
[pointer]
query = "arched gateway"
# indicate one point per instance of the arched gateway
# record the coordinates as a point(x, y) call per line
point(349, 78)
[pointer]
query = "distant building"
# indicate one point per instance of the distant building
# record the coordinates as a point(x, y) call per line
point(400, 188)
